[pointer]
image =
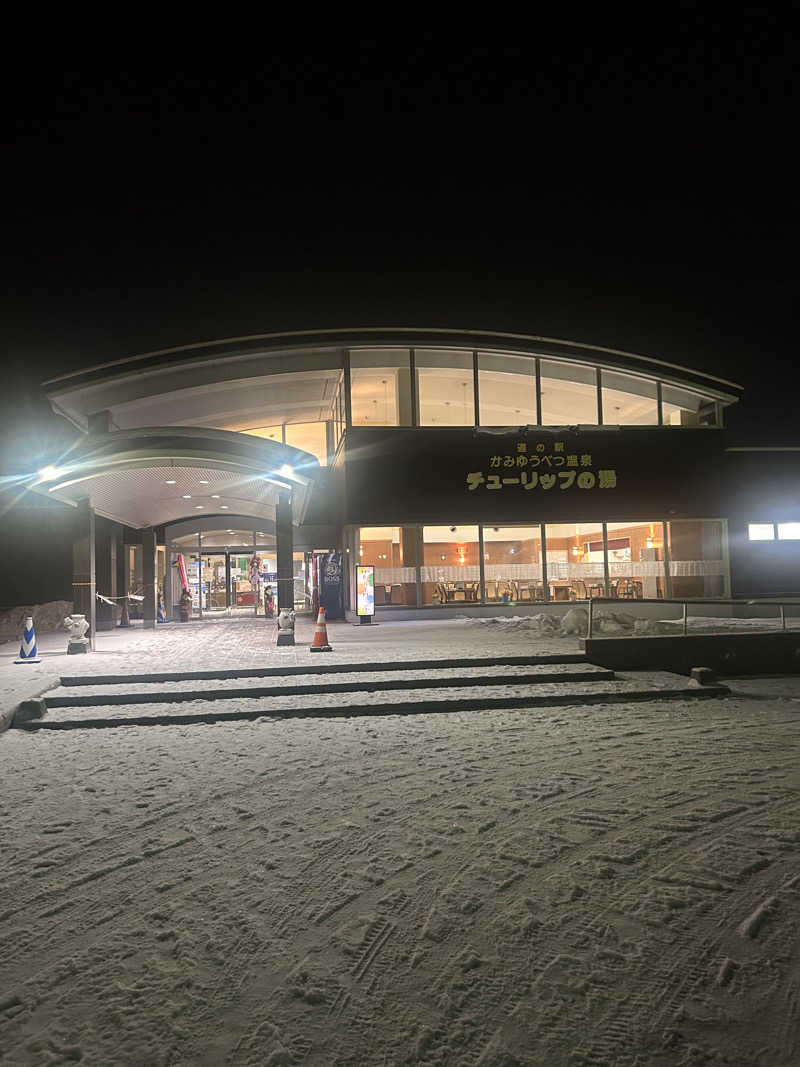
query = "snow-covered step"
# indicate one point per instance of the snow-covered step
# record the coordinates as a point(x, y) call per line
point(324, 667)
point(377, 681)
point(658, 686)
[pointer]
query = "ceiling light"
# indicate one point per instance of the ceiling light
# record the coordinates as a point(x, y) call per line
point(187, 496)
point(287, 471)
point(49, 474)
point(169, 481)
point(224, 507)
point(215, 496)
point(204, 481)
point(198, 507)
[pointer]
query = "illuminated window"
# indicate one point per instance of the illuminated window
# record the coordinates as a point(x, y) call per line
point(507, 390)
point(272, 433)
point(451, 569)
point(681, 407)
point(761, 531)
point(628, 401)
point(575, 568)
point(512, 564)
point(380, 387)
point(445, 391)
point(310, 436)
point(789, 531)
point(392, 551)
point(636, 560)
point(569, 394)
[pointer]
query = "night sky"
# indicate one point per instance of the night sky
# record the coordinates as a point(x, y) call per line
point(631, 187)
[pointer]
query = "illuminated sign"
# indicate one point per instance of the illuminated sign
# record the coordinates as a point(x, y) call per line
point(544, 467)
point(365, 590)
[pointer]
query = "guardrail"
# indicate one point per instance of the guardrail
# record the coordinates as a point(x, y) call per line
point(781, 605)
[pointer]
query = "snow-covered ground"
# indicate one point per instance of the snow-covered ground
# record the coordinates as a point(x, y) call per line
point(610, 885)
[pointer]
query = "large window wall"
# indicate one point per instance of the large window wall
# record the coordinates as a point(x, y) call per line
point(431, 387)
point(457, 387)
point(451, 565)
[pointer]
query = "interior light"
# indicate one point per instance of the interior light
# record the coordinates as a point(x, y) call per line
point(204, 481)
point(215, 496)
point(49, 474)
point(198, 507)
point(169, 481)
point(287, 471)
point(575, 550)
point(187, 496)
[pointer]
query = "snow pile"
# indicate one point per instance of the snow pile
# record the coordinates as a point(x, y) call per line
point(46, 617)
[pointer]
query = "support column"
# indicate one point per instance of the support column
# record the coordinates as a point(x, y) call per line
point(106, 571)
point(83, 568)
point(284, 548)
point(149, 577)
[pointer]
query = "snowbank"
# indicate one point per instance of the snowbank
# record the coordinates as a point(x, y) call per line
point(46, 617)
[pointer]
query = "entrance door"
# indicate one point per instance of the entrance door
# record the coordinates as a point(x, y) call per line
point(244, 594)
point(213, 584)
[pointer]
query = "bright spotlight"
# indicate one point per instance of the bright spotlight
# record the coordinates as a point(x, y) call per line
point(50, 474)
point(287, 471)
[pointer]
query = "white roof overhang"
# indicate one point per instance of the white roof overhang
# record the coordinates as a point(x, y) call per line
point(158, 475)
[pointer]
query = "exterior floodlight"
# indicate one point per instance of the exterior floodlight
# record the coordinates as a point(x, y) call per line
point(49, 474)
point(286, 471)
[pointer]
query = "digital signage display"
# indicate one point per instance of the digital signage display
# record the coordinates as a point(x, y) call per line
point(365, 590)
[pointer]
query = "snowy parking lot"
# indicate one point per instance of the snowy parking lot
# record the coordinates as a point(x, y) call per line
point(609, 885)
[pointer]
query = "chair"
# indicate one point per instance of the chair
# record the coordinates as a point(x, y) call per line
point(578, 587)
point(491, 590)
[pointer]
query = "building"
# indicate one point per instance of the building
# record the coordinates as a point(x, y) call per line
point(473, 470)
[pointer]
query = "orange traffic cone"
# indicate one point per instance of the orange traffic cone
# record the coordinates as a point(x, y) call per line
point(320, 642)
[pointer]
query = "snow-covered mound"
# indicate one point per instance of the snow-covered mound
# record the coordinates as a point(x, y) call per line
point(47, 616)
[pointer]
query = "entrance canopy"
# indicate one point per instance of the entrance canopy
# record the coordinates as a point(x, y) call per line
point(152, 476)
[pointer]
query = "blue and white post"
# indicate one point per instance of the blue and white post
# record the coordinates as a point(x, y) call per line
point(27, 649)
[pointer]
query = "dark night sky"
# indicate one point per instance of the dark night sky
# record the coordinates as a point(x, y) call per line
point(629, 187)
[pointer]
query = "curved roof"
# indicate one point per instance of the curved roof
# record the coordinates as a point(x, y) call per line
point(155, 475)
point(404, 336)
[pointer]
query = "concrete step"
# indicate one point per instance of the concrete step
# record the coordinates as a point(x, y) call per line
point(377, 681)
point(321, 666)
point(655, 687)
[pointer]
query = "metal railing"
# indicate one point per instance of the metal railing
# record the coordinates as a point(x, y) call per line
point(781, 605)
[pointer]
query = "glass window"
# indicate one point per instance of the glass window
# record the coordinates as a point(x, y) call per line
point(392, 551)
point(761, 531)
point(628, 401)
point(272, 433)
point(310, 436)
point(697, 558)
point(512, 564)
point(789, 531)
point(380, 387)
point(507, 390)
point(575, 568)
point(569, 394)
point(450, 569)
point(636, 560)
point(681, 407)
point(445, 391)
